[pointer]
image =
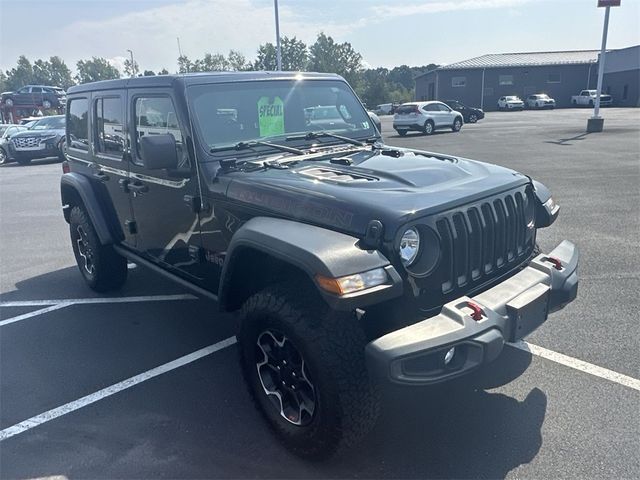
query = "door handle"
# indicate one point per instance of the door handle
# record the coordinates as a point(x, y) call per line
point(101, 176)
point(137, 188)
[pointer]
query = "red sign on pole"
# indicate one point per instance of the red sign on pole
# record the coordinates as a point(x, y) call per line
point(609, 3)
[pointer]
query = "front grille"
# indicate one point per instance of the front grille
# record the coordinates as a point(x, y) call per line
point(26, 142)
point(479, 244)
point(485, 240)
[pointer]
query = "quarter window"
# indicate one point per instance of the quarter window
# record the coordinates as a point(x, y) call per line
point(78, 124)
point(505, 79)
point(109, 135)
point(157, 116)
point(459, 81)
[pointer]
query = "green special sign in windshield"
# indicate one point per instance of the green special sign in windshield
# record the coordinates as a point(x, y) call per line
point(271, 116)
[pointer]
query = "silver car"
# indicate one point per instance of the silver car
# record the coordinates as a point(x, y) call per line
point(426, 117)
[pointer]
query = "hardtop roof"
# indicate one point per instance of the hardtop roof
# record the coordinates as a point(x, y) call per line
point(197, 78)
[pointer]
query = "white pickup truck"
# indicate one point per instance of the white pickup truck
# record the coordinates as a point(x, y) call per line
point(588, 97)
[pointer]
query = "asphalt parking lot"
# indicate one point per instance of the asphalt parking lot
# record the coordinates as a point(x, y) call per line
point(145, 384)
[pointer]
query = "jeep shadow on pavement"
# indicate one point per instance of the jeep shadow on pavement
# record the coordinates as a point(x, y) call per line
point(351, 264)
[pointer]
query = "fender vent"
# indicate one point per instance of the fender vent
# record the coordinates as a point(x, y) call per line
point(339, 176)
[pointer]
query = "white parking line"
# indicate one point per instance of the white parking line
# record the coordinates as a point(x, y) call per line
point(577, 364)
point(148, 298)
point(113, 389)
point(24, 316)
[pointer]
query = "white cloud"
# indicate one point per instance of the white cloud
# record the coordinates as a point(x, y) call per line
point(440, 6)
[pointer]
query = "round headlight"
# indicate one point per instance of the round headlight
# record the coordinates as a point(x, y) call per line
point(409, 246)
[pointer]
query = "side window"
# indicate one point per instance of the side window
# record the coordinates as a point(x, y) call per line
point(157, 116)
point(78, 124)
point(432, 107)
point(24, 90)
point(36, 90)
point(443, 108)
point(109, 135)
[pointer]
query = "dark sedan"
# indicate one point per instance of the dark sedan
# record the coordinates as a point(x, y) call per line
point(44, 139)
point(470, 114)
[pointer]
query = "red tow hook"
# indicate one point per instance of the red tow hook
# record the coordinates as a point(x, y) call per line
point(557, 264)
point(477, 311)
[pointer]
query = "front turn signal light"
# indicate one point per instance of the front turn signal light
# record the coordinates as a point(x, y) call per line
point(353, 283)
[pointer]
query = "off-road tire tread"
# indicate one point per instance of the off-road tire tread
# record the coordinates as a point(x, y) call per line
point(340, 341)
point(110, 267)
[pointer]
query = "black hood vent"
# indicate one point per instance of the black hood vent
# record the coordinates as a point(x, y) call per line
point(337, 176)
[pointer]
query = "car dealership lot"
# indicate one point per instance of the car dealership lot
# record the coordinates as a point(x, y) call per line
point(194, 418)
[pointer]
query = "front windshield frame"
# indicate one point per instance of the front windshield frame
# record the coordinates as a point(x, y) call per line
point(48, 123)
point(359, 114)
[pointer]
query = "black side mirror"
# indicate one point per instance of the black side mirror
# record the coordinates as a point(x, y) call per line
point(159, 151)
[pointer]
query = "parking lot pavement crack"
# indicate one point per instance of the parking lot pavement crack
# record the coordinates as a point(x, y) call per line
point(577, 364)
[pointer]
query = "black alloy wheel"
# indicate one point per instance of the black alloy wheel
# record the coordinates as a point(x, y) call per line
point(285, 378)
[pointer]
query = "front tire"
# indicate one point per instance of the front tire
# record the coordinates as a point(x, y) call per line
point(402, 133)
point(305, 369)
point(457, 125)
point(8, 102)
point(101, 266)
point(4, 158)
point(473, 118)
point(46, 104)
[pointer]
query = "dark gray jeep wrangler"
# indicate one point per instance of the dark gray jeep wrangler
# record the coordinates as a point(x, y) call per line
point(351, 263)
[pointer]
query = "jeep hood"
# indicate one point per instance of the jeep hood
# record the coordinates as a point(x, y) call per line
point(374, 186)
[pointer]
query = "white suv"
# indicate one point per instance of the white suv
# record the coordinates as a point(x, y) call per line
point(540, 100)
point(425, 117)
point(510, 102)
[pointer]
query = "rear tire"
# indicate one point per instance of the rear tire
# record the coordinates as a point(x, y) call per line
point(8, 102)
point(330, 404)
point(428, 128)
point(102, 268)
point(46, 104)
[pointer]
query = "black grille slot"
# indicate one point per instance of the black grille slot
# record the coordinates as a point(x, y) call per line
point(484, 240)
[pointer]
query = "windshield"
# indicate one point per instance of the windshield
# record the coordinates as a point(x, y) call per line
point(228, 113)
point(513, 99)
point(48, 124)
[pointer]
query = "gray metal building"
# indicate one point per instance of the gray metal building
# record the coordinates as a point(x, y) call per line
point(622, 76)
point(482, 80)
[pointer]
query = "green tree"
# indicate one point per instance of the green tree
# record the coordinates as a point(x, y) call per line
point(131, 69)
point(95, 69)
point(164, 71)
point(3, 81)
point(184, 64)
point(20, 75)
point(328, 56)
point(295, 55)
point(148, 73)
point(237, 61)
point(212, 62)
point(52, 72)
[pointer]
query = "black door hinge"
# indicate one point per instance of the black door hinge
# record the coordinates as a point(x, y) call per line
point(132, 226)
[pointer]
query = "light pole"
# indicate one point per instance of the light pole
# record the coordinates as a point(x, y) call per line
point(133, 65)
point(278, 52)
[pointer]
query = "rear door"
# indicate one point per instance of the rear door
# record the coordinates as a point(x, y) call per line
point(168, 229)
point(36, 96)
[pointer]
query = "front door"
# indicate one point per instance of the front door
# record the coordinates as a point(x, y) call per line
point(168, 229)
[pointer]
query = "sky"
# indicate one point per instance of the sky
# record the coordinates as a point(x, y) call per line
point(386, 32)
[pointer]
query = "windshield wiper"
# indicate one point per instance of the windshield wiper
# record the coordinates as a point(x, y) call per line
point(314, 135)
point(257, 143)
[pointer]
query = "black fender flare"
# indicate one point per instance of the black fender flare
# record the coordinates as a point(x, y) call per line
point(315, 251)
point(82, 187)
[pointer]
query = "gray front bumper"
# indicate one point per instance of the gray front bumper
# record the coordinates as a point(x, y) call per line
point(509, 311)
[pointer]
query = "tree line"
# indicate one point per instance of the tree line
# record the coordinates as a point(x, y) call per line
point(373, 85)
